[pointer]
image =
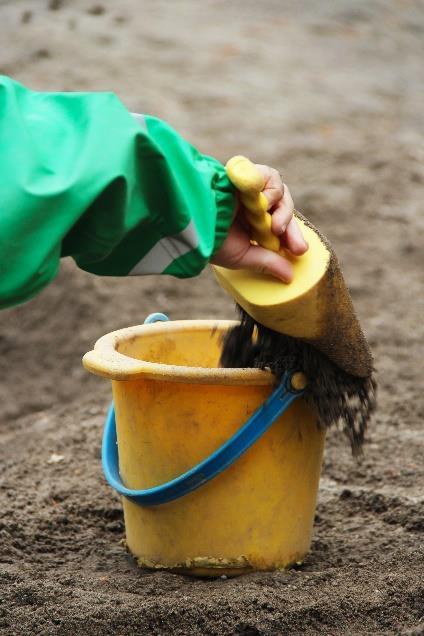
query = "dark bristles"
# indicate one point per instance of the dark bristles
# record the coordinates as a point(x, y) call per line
point(338, 397)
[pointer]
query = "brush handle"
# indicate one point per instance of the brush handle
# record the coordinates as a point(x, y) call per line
point(249, 182)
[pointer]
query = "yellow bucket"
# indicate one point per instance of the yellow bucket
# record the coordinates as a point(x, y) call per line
point(174, 407)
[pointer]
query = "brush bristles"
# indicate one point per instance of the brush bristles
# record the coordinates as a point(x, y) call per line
point(338, 397)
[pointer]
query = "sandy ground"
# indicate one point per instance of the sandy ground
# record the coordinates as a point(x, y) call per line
point(331, 93)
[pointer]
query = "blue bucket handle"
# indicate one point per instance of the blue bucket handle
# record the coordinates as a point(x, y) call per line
point(258, 423)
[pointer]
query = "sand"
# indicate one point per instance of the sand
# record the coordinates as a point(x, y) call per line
point(330, 94)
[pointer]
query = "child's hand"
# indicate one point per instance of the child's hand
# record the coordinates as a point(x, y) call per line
point(237, 252)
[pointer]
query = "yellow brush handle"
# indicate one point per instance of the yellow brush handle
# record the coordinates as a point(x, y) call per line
point(249, 182)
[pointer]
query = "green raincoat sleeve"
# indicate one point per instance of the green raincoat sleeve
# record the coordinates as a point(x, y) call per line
point(122, 194)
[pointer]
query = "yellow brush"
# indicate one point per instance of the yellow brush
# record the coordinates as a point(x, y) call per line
point(315, 307)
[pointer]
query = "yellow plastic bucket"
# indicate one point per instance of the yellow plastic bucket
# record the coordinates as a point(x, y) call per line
point(174, 407)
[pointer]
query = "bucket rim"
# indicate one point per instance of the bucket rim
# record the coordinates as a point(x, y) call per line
point(106, 361)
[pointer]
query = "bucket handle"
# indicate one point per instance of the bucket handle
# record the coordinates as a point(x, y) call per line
point(222, 458)
point(260, 421)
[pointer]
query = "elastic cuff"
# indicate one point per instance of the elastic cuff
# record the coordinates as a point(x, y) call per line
point(225, 198)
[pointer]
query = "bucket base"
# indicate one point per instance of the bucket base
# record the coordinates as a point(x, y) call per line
point(210, 567)
point(212, 573)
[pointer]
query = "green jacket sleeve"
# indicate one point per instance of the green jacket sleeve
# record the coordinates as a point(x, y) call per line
point(121, 194)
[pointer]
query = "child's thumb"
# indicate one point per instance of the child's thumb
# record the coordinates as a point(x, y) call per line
point(264, 261)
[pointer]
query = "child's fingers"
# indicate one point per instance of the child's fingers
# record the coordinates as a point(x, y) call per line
point(283, 213)
point(273, 189)
point(264, 261)
point(293, 238)
point(283, 223)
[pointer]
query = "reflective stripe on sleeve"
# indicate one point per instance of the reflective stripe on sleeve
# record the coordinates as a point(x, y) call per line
point(140, 119)
point(166, 251)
